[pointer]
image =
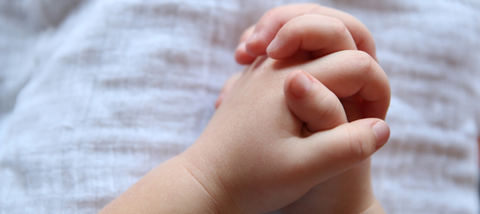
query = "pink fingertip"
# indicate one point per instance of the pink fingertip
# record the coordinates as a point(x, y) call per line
point(273, 45)
point(301, 84)
point(382, 132)
point(241, 55)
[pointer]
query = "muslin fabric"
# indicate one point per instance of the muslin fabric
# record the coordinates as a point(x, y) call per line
point(94, 94)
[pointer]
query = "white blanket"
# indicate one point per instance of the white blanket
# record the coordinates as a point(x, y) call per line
point(94, 94)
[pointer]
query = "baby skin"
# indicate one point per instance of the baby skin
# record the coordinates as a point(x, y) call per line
point(279, 132)
point(292, 30)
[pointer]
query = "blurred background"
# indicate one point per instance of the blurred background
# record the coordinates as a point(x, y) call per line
point(94, 94)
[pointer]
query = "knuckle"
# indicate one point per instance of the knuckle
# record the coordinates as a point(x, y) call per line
point(329, 104)
point(363, 61)
point(295, 26)
point(337, 23)
point(359, 145)
point(268, 17)
point(339, 30)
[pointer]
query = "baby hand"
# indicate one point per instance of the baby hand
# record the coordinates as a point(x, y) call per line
point(256, 156)
point(309, 31)
point(348, 192)
point(308, 27)
point(320, 36)
point(346, 77)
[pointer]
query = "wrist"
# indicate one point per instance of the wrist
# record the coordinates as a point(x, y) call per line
point(207, 181)
point(168, 188)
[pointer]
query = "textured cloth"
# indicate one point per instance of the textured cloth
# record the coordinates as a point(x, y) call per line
point(94, 94)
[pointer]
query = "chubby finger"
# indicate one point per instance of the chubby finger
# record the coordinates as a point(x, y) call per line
point(319, 34)
point(241, 55)
point(312, 102)
point(351, 73)
point(271, 22)
point(331, 152)
point(226, 88)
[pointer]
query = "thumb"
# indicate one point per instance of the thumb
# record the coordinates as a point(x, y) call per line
point(312, 102)
point(328, 153)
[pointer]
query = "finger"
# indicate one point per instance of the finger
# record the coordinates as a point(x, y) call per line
point(334, 151)
point(349, 73)
point(319, 34)
point(226, 88)
point(312, 102)
point(241, 55)
point(359, 75)
point(270, 23)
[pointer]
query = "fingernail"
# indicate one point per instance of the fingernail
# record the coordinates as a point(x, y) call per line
point(301, 84)
point(273, 45)
point(252, 37)
point(382, 132)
